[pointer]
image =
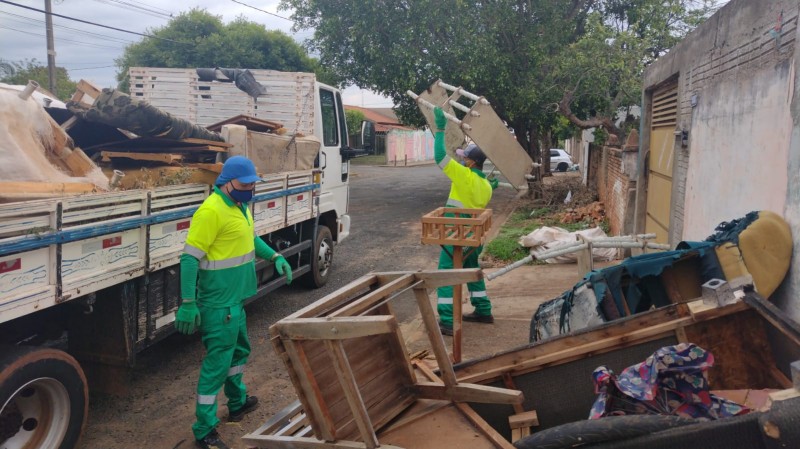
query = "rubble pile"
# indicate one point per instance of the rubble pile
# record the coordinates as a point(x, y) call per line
point(593, 213)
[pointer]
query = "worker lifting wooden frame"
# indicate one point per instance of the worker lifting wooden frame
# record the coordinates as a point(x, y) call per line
point(481, 124)
point(350, 368)
point(465, 228)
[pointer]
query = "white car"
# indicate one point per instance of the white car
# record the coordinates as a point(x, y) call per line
point(560, 160)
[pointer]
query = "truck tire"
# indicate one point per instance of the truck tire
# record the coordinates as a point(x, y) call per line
point(44, 398)
point(321, 259)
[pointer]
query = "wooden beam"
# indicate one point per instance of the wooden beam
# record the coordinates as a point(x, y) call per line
point(483, 426)
point(335, 299)
point(435, 337)
point(165, 158)
point(22, 187)
point(215, 143)
point(280, 419)
point(526, 419)
point(437, 278)
point(364, 303)
point(348, 382)
point(468, 393)
point(339, 328)
point(216, 168)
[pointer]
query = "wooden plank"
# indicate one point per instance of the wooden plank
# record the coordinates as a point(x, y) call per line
point(296, 423)
point(279, 419)
point(508, 381)
point(435, 337)
point(280, 349)
point(335, 328)
point(165, 158)
point(437, 278)
point(23, 187)
point(483, 426)
point(363, 303)
point(322, 423)
point(526, 419)
point(214, 143)
point(335, 299)
point(776, 317)
point(400, 352)
point(671, 286)
point(468, 393)
point(446, 427)
point(348, 382)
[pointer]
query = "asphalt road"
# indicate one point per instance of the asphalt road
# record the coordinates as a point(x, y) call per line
point(386, 205)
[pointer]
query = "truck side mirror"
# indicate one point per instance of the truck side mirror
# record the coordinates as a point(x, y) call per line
point(368, 136)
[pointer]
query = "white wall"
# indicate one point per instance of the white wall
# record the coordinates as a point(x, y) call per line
point(738, 150)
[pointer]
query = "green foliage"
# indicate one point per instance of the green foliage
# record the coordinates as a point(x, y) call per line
point(22, 71)
point(354, 119)
point(199, 39)
point(524, 56)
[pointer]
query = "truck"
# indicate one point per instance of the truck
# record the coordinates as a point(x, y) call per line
point(88, 281)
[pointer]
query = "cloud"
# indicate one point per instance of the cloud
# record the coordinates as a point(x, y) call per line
point(89, 52)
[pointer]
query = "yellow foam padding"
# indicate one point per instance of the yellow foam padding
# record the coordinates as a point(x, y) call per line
point(766, 247)
point(730, 260)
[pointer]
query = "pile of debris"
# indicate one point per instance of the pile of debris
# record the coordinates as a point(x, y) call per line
point(104, 140)
point(593, 213)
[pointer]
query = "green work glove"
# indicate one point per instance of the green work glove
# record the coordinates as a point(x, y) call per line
point(494, 183)
point(439, 118)
point(187, 320)
point(283, 267)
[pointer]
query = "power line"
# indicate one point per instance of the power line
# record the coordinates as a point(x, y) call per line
point(38, 21)
point(95, 24)
point(91, 44)
point(136, 8)
point(91, 68)
point(265, 12)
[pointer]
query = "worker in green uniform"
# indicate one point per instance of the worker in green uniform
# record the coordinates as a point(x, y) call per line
point(469, 190)
point(217, 274)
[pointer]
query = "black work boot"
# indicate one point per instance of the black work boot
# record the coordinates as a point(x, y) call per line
point(211, 441)
point(446, 329)
point(475, 318)
point(250, 404)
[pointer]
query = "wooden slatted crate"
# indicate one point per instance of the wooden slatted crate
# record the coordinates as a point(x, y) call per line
point(467, 228)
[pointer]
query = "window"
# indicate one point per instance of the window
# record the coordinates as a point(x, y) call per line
point(554, 153)
point(330, 130)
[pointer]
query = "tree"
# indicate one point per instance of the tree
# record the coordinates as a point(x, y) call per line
point(354, 119)
point(21, 72)
point(199, 39)
point(517, 53)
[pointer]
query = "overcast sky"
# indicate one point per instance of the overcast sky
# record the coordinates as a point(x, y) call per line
point(88, 51)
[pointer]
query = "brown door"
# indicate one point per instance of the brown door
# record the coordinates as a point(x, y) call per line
point(664, 113)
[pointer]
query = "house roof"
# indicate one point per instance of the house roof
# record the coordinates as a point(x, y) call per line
point(384, 118)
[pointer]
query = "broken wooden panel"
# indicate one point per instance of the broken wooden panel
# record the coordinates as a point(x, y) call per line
point(499, 145)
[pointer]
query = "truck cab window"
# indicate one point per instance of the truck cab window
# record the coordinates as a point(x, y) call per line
point(330, 129)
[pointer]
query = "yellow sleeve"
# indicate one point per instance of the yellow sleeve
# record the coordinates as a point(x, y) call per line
point(202, 232)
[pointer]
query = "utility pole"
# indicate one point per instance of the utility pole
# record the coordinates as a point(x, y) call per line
point(51, 51)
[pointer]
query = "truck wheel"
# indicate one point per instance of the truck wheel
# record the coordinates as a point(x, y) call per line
point(322, 258)
point(44, 398)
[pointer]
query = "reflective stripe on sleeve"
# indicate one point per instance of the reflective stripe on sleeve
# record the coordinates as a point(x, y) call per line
point(194, 251)
point(235, 370)
point(454, 203)
point(227, 263)
point(445, 301)
point(444, 162)
point(206, 399)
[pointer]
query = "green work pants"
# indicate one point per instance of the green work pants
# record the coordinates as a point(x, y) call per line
point(477, 289)
point(224, 332)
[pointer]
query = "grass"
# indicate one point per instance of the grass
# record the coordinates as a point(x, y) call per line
point(505, 247)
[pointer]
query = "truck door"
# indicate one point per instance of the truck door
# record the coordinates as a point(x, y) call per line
point(333, 134)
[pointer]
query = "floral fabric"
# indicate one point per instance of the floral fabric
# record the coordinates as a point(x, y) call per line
point(672, 381)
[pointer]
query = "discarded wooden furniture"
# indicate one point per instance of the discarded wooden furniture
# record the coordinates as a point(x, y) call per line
point(350, 368)
point(457, 228)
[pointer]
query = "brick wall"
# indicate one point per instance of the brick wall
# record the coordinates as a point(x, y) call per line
point(614, 169)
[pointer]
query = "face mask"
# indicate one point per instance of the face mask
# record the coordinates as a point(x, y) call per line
point(240, 196)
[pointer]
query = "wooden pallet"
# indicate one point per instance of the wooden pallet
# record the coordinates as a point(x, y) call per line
point(350, 368)
point(467, 228)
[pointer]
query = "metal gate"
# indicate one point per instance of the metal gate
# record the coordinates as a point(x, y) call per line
point(664, 114)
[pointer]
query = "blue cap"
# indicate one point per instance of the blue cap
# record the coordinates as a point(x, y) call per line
point(239, 168)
